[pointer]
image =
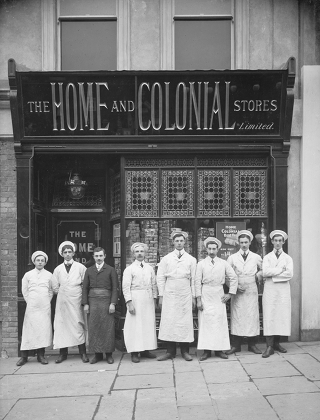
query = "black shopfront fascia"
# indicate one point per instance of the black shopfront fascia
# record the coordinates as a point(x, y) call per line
point(121, 115)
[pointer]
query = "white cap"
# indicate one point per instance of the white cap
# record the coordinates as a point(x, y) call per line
point(212, 240)
point(71, 244)
point(39, 254)
point(279, 232)
point(178, 232)
point(137, 244)
point(245, 232)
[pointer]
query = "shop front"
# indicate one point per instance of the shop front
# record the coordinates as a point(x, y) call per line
point(111, 158)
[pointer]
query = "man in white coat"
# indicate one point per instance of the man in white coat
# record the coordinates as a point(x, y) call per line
point(140, 293)
point(245, 304)
point(37, 292)
point(277, 270)
point(175, 281)
point(67, 282)
point(211, 300)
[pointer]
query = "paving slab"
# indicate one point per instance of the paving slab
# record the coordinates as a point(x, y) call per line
point(224, 372)
point(307, 343)
point(259, 359)
point(117, 405)
point(156, 404)
point(8, 366)
point(180, 365)
point(285, 385)
point(145, 367)
point(313, 350)
point(317, 383)
point(270, 370)
point(214, 358)
point(292, 348)
point(162, 380)
point(6, 406)
point(56, 385)
point(60, 408)
point(296, 406)
point(240, 401)
point(191, 386)
point(72, 364)
point(306, 364)
point(197, 412)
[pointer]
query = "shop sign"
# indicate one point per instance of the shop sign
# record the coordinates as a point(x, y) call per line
point(85, 234)
point(227, 234)
point(202, 103)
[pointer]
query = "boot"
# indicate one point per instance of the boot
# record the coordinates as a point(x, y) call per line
point(252, 345)
point(221, 354)
point(147, 354)
point(277, 345)
point(96, 358)
point(83, 353)
point(206, 354)
point(63, 355)
point(24, 358)
point(40, 357)
point(236, 345)
point(135, 357)
point(269, 350)
point(109, 358)
point(171, 352)
point(184, 348)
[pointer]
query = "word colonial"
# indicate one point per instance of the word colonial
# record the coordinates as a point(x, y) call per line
point(166, 106)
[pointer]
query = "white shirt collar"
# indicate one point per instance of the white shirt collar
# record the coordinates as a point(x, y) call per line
point(177, 252)
point(69, 262)
point(278, 250)
point(137, 262)
point(242, 252)
point(99, 266)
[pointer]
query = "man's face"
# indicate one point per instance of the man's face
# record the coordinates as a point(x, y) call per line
point(244, 244)
point(139, 253)
point(277, 242)
point(68, 254)
point(99, 257)
point(179, 242)
point(39, 263)
point(212, 250)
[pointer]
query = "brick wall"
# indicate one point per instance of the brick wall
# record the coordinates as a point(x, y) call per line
point(8, 237)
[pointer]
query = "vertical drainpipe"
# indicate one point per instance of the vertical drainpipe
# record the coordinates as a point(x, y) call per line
point(30, 204)
point(274, 196)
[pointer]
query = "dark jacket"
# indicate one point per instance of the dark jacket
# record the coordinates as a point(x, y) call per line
point(106, 278)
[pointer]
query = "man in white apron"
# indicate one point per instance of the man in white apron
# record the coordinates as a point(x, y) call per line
point(211, 300)
point(67, 281)
point(277, 270)
point(37, 292)
point(245, 304)
point(140, 293)
point(175, 281)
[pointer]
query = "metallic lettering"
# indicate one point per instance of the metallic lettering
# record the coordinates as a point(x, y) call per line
point(75, 106)
point(99, 106)
point(140, 103)
point(226, 121)
point(86, 106)
point(216, 100)
point(196, 105)
point(167, 107)
point(153, 114)
point(58, 105)
point(184, 106)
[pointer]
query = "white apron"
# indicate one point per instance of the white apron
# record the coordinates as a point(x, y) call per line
point(37, 328)
point(276, 299)
point(245, 305)
point(69, 328)
point(176, 316)
point(213, 323)
point(140, 329)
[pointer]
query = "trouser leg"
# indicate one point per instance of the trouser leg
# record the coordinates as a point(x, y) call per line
point(237, 340)
point(171, 347)
point(82, 348)
point(24, 353)
point(252, 341)
point(184, 348)
point(64, 351)
point(270, 340)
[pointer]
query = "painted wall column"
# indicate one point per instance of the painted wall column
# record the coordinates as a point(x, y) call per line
point(310, 204)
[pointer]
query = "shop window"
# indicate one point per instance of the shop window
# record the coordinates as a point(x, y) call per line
point(203, 34)
point(214, 193)
point(177, 193)
point(88, 34)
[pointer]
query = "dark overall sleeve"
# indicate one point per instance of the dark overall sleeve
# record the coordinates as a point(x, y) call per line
point(85, 288)
point(114, 280)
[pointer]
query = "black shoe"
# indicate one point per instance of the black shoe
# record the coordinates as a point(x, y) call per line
point(84, 358)
point(206, 354)
point(109, 358)
point(41, 359)
point(165, 356)
point(147, 354)
point(279, 348)
point(186, 356)
point(254, 349)
point(22, 361)
point(233, 350)
point(135, 358)
point(96, 358)
point(221, 354)
point(61, 358)
point(269, 351)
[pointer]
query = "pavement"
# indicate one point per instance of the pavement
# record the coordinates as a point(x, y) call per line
point(245, 387)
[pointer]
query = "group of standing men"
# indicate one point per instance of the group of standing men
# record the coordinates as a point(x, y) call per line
point(181, 285)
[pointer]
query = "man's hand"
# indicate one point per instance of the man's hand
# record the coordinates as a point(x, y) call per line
point(199, 303)
point(112, 308)
point(283, 269)
point(241, 288)
point(86, 309)
point(160, 302)
point(194, 303)
point(225, 298)
point(131, 308)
